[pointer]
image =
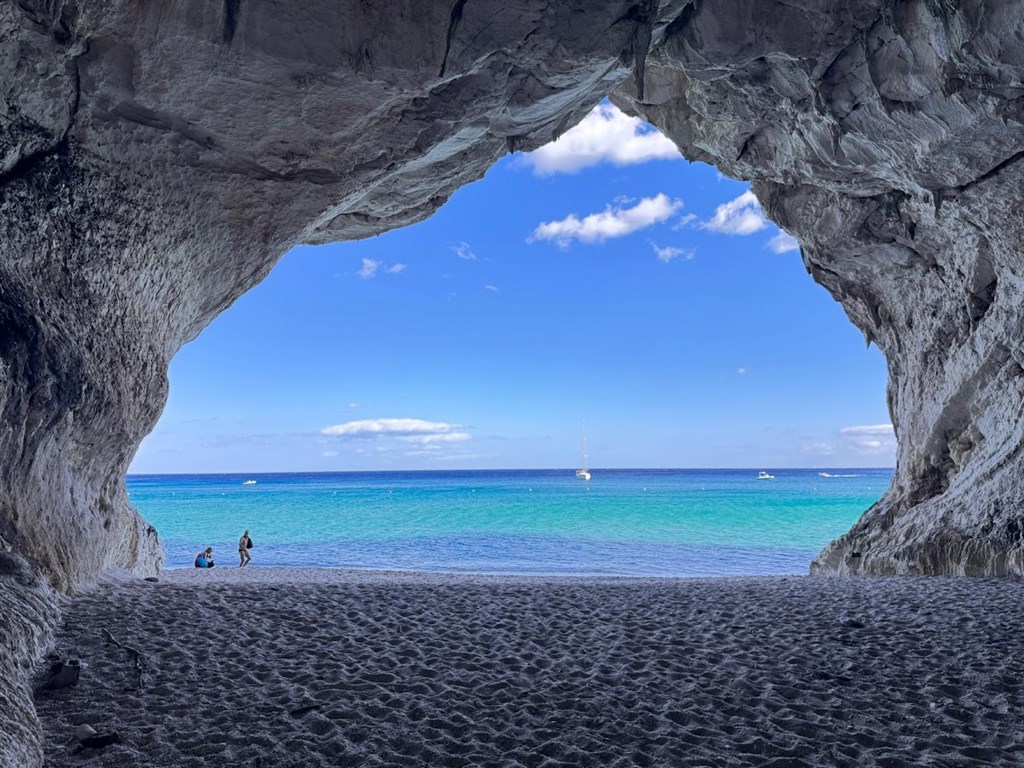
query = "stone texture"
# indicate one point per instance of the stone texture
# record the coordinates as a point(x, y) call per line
point(156, 159)
point(28, 613)
point(886, 138)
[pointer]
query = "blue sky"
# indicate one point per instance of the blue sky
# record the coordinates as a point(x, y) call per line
point(602, 279)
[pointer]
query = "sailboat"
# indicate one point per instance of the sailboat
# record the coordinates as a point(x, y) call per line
point(583, 473)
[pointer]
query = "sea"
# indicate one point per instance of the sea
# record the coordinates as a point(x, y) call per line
point(623, 522)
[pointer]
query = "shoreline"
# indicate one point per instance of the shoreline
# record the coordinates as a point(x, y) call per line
point(332, 575)
point(323, 667)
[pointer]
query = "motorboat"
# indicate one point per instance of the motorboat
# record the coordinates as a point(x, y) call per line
point(762, 475)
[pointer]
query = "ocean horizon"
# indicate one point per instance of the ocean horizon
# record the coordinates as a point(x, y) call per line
point(623, 522)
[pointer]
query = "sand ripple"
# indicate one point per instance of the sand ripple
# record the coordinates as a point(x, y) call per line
point(312, 668)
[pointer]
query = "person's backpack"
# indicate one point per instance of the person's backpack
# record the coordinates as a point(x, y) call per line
point(248, 542)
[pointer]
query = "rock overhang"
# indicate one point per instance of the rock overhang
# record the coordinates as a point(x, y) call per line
point(156, 161)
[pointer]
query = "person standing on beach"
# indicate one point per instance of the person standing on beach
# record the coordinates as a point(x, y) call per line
point(244, 545)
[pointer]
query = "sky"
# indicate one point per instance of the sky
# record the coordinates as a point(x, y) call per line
point(600, 280)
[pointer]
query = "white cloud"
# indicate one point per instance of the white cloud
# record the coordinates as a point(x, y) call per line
point(490, 287)
point(353, 405)
point(742, 216)
point(870, 439)
point(605, 135)
point(684, 221)
point(463, 251)
point(870, 429)
point(741, 371)
point(668, 253)
point(444, 437)
point(369, 268)
point(329, 454)
point(372, 266)
point(416, 431)
point(783, 242)
point(611, 222)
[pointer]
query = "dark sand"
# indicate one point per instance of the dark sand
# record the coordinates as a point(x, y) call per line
point(267, 667)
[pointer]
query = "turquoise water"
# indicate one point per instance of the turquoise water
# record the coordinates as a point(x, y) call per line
point(622, 522)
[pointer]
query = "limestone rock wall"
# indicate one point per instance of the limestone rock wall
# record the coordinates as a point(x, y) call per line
point(887, 137)
point(157, 158)
point(28, 610)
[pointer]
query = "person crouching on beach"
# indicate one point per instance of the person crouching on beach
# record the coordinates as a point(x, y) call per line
point(244, 545)
point(205, 558)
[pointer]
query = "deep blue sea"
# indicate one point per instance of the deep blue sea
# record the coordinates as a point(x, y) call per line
point(642, 522)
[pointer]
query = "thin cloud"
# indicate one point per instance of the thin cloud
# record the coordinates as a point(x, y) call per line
point(606, 135)
point(741, 371)
point(685, 221)
point(463, 251)
point(670, 253)
point(329, 454)
point(444, 437)
point(783, 242)
point(870, 439)
point(369, 269)
point(490, 287)
point(416, 431)
point(611, 222)
point(869, 429)
point(742, 216)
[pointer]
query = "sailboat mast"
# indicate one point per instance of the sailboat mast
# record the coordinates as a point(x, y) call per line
point(583, 445)
point(583, 473)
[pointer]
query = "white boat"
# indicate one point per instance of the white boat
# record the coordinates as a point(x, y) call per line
point(583, 473)
point(249, 482)
point(762, 475)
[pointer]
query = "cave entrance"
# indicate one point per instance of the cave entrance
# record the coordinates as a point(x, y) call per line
point(600, 279)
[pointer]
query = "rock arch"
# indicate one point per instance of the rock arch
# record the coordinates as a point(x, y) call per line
point(156, 159)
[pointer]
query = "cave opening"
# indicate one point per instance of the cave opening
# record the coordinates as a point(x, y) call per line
point(601, 279)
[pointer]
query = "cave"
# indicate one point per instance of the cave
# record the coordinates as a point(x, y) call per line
point(157, 159)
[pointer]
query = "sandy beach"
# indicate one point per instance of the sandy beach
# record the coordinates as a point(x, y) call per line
point(273, 667)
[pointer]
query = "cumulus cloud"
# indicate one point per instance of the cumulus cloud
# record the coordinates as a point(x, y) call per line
point(416, 431)
point(669, 253)
point(369, 268)
point(606, 135)
point(395, 269)
point(463, 251)
point(742, 216)
point(783, 242)
point(611, 222)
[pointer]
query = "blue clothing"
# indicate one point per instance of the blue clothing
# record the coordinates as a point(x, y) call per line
point(201, 562)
